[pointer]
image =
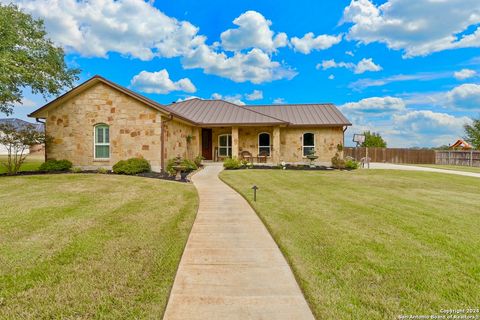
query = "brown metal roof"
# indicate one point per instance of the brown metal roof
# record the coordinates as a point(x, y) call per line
point(219, 112)
point(305, 114)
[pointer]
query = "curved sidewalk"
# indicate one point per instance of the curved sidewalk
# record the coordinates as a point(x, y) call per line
point(231, 267)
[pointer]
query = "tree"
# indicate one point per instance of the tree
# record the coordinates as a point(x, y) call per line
point(472, 133)
point(28, 59)
point(373, 139)
point(17, 141)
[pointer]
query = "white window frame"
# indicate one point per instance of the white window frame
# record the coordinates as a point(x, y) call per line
point(269, 145)
point(228, 146)
point(309, 146)
point(95, 143)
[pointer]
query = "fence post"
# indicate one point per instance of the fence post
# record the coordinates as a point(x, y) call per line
point(471, 158)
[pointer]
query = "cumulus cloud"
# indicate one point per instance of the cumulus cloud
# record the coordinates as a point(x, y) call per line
point(464, 97)
point(404, 24)
point(309, 42)
point(362, 66)
point(255, 66)
point(464, 74)
point(278, 101)
point(255, 95)
point(375, 106)
point(421, 76)
point(160, 82)
point(236, 99)
point(253, 32)
point(95, 28)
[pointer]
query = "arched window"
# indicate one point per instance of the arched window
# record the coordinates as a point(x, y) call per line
point(102, 141)
point(225, 145)
point(264, 144)
point(308, 143)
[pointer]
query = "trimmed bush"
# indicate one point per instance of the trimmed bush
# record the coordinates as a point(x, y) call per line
point(337, 162)
point(198, 160)
point(188, 164)
point(55, 165)
point(131, 166)
point(351, 164)
point(232, 163)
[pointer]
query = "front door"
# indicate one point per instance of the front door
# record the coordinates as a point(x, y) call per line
point(207, 144)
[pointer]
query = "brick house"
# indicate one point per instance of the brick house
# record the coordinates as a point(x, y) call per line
point(99, 123)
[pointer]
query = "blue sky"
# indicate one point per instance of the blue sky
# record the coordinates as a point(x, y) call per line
point(408, 69)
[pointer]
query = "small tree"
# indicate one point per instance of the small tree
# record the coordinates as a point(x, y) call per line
point(373, 139)
point(17, 141)
point(473, 133)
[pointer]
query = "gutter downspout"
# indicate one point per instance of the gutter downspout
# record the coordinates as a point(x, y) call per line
point(162, 141)
point(45, 133)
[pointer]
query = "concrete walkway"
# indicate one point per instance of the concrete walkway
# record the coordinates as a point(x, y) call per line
point(231, 267)
point(378, 165)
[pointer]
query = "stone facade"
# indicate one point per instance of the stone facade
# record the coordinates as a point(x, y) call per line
point(181, 140)
point(134, 128)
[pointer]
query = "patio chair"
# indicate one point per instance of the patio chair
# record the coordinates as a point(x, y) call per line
point(262, 157)
point(245, 155)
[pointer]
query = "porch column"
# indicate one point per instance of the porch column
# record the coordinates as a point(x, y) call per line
point(234, 142)
point(276, 145)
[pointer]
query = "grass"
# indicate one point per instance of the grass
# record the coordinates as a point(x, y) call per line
point(85, 246)
point(450, 167)
point(373, 244)
point(32, 163)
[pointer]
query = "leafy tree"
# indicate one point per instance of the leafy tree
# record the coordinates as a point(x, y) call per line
point(473, 133)
point(17, 141)
point(373, 139)
point(28, 59)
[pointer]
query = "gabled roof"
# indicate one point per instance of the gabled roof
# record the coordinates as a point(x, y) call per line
point(219, 112)
point(20, 124)
point(325, 114)
point(93, 81)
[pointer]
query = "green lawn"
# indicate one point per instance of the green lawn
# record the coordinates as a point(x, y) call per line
point(447, 167)
point(373, 244)
point(32, 163)
point(85, 246)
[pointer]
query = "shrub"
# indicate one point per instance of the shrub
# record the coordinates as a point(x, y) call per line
point(232, 163)
point(337, 162)
point(55, 165)
point(76, 169)
point(198, 160)
point(102, 170)
point(351, 164)
point(189, 165)
point(131, 166)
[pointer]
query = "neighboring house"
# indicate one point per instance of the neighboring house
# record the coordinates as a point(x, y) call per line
point(99, 123)
point(461, 144)
point(19, 124)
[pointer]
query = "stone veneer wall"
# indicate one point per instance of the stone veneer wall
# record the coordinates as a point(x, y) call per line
point(176, 142)
point(326, 141)
point(134, 128)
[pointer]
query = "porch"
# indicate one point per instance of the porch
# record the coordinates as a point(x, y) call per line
point(258, 144)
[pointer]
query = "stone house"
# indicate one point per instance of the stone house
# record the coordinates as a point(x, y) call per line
point(100, 123)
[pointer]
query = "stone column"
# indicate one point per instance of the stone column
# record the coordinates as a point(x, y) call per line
point(235, 142)
point(276, 145)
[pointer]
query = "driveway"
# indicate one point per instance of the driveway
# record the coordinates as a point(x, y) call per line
point(378, 165)
point(231, 267)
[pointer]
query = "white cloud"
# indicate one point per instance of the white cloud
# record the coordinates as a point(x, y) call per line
point(349, 53)
point(464, 74)
point(236, 99)
point(253, 32)
point(188, 98)
point(131, 27)
point(374, 106)
point(422, 76)
point(160, 82)
point(464, 97)
point(331, 77)
point(309, 42)
point(362, 66)
point(255, 66)
point(278, 101)
point(419, 27)
point(255, 95)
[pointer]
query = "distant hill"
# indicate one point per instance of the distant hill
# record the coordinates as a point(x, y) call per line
point(18, 123)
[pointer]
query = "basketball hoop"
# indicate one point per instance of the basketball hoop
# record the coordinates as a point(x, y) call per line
point(358, 138)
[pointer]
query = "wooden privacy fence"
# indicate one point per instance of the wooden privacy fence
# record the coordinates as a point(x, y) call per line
point(393, 155)
point(458, 158)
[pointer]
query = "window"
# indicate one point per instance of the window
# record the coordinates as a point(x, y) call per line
point(225, 145)
point(264, 144)
point(102, 141)
point(308, 143)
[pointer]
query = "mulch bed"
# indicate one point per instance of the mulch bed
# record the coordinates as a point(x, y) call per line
point(152, 175)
